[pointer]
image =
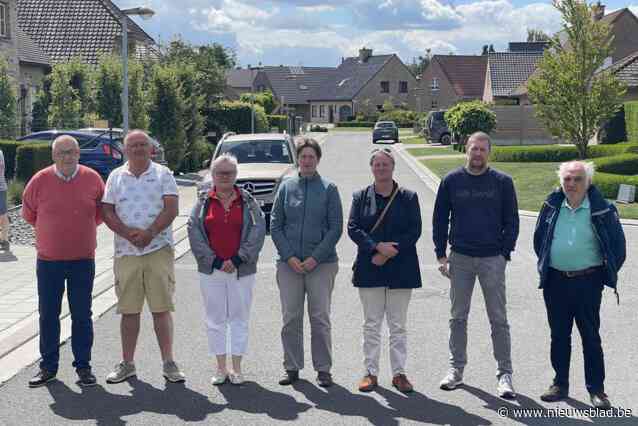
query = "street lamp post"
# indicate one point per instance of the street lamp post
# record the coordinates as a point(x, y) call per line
point(145, 13)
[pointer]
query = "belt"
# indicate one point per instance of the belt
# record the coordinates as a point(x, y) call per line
point(574, 274)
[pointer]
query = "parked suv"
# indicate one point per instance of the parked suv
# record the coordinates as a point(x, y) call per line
point(265, 159)
point(97, 151)
point(436, 129)
point(385, 130)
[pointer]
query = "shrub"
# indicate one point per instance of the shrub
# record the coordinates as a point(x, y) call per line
point(631, 121)
point(355, 124)
point(9, 152)
point(402, 118)
point(194, 160)
point(466, 118)
point(623, 164)
point(609, 183)
point(278, 121)
point(31, 158)
point(555, 153)
point(318, 128)
point(14, 192)
point(234, 117)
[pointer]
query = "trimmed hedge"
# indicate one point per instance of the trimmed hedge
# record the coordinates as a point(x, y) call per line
point(278, 121)
point(615, 170)
point(556, 153)
point(31, 158)
point(9, 149)
point(355, 124)
point(631, 120)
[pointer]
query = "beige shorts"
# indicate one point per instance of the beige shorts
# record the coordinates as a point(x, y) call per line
point(151, 276)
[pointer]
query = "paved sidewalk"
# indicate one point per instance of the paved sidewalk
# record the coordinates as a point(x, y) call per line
point(18, 286)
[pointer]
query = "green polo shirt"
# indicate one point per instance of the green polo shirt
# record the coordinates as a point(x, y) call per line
point(574, 245)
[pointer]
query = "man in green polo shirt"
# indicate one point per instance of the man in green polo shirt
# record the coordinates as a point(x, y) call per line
point(580, 246)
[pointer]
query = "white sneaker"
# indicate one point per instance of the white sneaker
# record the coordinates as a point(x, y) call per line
point(236, 378)
point(172, 373)
point(121, 372)
point(453, 379)
point(505, 389)
point(219, 379)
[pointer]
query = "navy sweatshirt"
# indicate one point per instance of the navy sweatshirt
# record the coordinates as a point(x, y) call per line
point(481, 213)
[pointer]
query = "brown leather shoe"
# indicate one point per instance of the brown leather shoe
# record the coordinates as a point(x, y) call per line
point(402, 383)
point(368, 383)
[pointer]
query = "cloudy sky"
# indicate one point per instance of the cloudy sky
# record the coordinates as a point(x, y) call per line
point(320, 32)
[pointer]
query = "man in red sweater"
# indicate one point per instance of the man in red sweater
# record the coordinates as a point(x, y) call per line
point(63, 203)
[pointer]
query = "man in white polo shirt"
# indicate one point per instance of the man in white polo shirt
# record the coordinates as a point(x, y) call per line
point(139, 205)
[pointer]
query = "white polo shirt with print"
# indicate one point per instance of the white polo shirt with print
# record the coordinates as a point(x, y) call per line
point(138, 201)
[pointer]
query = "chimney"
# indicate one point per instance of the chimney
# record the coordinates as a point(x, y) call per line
point(597, 11)
point(364, 54)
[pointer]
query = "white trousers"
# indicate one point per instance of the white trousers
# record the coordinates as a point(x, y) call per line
point(227, 303)
point(393, 304)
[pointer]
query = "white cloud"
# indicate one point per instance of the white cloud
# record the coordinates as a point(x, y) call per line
point(317, 9)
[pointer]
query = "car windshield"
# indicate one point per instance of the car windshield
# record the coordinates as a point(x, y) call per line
point(261, 151)
point(386, 125)
point(440, 115)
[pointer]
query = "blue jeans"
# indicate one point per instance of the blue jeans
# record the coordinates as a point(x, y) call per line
point(79, 275)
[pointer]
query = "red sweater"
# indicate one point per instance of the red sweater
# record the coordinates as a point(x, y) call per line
point(65, 214)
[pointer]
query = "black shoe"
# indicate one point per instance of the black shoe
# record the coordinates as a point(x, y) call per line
point(43, 377)
point(289, 377)
point(554, 393)
point(324, 379)
point(85, 377)
point(600, 400)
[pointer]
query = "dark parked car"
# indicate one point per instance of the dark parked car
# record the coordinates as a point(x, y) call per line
point(385, 130)
point(97, 151)
point(436, 129)
point(115, 133)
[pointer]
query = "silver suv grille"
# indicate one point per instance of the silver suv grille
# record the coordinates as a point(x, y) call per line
point(257, 187)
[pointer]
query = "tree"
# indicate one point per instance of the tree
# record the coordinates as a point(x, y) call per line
point(465, 118)
point(108, 90)
point(265, 99)
point(573, 97)
point(65, 109)
point(137, 108)
point(80, 78)
point(419, 64)
point(191, 115)
point(8, 117)
point(166, 113)
point(534, 34)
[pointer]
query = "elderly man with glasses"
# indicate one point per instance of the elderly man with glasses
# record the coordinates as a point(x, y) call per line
point(63, 203)
point(580, 246)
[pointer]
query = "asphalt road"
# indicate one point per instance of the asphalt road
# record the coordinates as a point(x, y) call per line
point(148, 400)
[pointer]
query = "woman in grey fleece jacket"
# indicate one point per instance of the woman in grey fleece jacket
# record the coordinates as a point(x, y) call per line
point(306, 224)
point(226, 231)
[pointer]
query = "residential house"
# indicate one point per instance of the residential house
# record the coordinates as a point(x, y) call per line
point(626, 70)
point(363, 82)
point(34, 65)
point(240, 81)
point(506, 72)
point(8, 39)
point(291, 86)
point(449, 79)
point(87, 29)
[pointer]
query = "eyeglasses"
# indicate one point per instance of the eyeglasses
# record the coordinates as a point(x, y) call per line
point(69, 152)
point(386, 150)
point(576, 179)
point(225, 174)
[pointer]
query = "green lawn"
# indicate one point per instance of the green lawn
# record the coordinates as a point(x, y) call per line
point(419, 152)
point(533, 182)
point(413, 140)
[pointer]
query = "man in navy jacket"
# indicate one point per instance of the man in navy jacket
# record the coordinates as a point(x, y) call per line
point(580, 246)
point(477, 212)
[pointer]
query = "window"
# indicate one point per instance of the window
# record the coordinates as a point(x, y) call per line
point(322, 110)
point(385, 87)
point(3, 20)
point(313, 109)
point(435, 104)
point(403, 87)
point(434, 85)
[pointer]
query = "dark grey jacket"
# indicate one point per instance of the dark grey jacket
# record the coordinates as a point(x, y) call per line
point(307, 219)
point(253, 232)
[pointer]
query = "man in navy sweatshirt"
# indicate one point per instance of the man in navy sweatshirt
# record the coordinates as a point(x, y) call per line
point(477, 212)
